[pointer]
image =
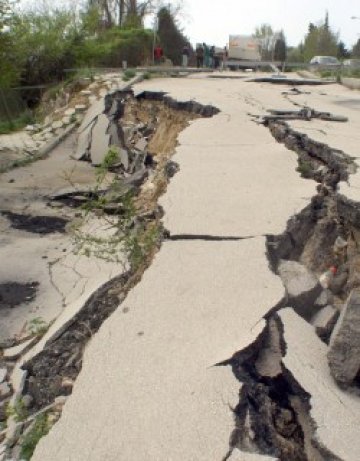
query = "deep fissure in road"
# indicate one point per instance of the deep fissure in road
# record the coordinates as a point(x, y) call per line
point(153, 120)
point(273, 414)
point(160, 119)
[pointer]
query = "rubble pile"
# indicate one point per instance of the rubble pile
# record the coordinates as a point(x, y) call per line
point(109, 126)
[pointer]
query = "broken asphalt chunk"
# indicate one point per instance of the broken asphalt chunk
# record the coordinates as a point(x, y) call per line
point(100, 140)
point(344, 352)
point(302, 287)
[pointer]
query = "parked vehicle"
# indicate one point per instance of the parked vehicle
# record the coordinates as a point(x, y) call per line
point(324, 63)
point(244, 47)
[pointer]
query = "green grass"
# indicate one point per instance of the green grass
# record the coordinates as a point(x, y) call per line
point(352, 73)
point(18, 410)
point(128, 75)
point(16, 124)
point(40, 428)
point(304, 168)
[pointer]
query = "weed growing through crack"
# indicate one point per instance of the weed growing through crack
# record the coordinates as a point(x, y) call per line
point(128, 237)
point(18, 410)
point(37, 327)
point(40, 427)
point(304, 168)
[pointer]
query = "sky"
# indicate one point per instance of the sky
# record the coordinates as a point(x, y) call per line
point(212, 21)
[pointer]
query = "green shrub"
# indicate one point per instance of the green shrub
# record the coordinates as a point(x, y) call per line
point(17, 124)
point(129, 74)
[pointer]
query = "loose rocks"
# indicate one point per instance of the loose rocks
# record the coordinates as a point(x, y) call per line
point(344, 353)
point(302, 287)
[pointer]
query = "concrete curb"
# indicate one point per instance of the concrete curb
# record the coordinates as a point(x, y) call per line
point(351, 83)
point(45, 150)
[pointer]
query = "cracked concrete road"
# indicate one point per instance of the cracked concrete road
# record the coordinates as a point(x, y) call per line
point(149, 388)
point(65, 280)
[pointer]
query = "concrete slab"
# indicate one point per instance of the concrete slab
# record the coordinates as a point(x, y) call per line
point(94, 111)
point(335, 412)
point(234, 191)
point(65, 280)
point(100, 140)
point(149, 374)
point(84, 142)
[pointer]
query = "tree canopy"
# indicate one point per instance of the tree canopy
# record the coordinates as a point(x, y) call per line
point(170, 36)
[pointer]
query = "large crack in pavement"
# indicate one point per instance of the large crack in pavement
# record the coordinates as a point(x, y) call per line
point(274, 414)
point(52, 372)
point(152, 122)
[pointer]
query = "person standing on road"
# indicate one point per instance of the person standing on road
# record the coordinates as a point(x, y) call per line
point(199, 55)
point(185, 55)
point(206, 55)
point(212, 57)
point(158, 54)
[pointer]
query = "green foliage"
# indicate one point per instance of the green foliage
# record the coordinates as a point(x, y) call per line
point(356, 50)
point(37, 326)
point(349, 72)
point(342, 51)
point(295, 54)
point(36, 46)
point(8, 67)
point(304, 168)
point(134, 241)
point(18, 411)
point(280, 50)
point(17, 123)
point(43, 45)
point(265, 32)
point(129, 74)
point(113, 46)
point(320, 41)
point(170, 36)
point(39, 429)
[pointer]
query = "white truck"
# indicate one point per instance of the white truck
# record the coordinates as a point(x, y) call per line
point(244, 48)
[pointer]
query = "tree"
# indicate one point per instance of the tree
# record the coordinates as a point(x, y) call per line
point(295, 54)
point(343, 52)
point(320, 40)
point(170, 36)
point(280, 49)
point(356, 50)
point(8, 65)
point(265, 34)
point(121, 12)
